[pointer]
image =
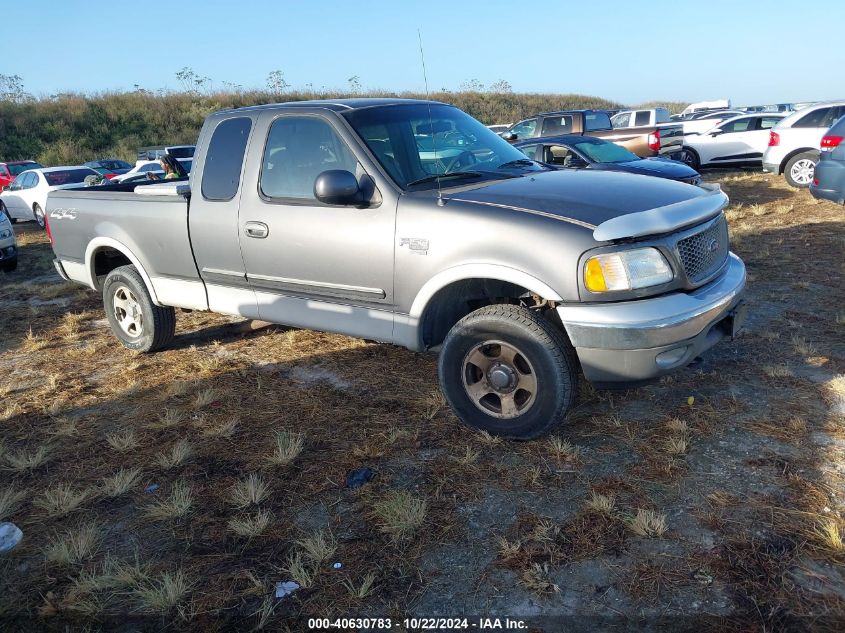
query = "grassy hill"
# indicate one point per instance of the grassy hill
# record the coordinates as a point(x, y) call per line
point(70, 129)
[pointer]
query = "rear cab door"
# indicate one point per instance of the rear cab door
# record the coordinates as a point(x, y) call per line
point(312, 264)
point(216, 189)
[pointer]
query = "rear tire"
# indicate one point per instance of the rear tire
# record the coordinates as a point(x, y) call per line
point(506, 370)
point(799, 169)
point(38, 212)
point(690, 158)
point(135, 320)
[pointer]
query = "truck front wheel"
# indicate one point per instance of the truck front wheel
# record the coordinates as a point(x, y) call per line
point(134, 319)
point(508, 371)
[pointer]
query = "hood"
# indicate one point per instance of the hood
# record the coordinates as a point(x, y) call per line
point(659, 167)
point(582, 196)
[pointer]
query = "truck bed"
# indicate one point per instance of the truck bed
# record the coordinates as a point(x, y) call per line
point(153, 225)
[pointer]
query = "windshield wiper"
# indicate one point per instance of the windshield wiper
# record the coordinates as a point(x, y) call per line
point(454, 174)
point(519, 162)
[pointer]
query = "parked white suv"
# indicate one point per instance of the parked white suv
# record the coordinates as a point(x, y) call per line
point(794, 142)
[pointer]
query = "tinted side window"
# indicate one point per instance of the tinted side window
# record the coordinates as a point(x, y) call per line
point(662, 115)
point(221, 174)
point(642, 118)
point(298, 150)
point(768, 122)
point(555, 125)
point(813, 119)
point(740, 125)
point(596, 121)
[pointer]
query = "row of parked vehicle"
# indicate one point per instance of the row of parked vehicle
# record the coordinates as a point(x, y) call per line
point(26, 183)
point(788, 139)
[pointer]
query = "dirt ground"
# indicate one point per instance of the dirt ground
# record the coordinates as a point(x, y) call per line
point(175, 490)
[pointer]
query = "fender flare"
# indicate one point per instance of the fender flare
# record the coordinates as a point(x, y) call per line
point(99, 243)
point(497, 272)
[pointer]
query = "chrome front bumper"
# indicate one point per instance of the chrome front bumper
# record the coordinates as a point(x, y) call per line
point(635, 341)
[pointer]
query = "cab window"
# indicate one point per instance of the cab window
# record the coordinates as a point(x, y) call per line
point(740, 125)
point(298, 149)
point(524, 129)
point(642, 118)
point(221, 174)
point(555, 125)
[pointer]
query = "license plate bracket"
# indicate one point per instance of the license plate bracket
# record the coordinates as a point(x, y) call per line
point(736, 319)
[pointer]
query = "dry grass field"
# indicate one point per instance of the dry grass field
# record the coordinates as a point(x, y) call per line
point(175, 490)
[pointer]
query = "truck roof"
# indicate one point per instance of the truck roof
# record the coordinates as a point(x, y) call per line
point(341, 104)
point(580, 111)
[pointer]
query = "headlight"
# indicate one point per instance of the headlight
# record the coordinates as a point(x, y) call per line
point(626, 270)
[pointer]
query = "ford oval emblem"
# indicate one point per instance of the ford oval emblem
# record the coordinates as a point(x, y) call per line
point(713, 246)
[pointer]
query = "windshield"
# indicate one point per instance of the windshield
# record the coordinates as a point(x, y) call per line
point(605, 152)
point(67, 176)
point(186, 151)
point(20, 168)
point(415, 143)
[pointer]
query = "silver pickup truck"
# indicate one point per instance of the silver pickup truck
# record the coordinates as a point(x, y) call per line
point(410, 222)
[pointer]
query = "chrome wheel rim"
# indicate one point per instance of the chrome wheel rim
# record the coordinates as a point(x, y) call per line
point(499, 379)
point(802, 171)
point(127, 312)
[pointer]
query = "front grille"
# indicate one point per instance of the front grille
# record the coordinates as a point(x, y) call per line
point(703, 253)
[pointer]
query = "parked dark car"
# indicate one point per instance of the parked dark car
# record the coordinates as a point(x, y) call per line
point(643, 140)
point(9, 171)
point(584, 152)
point(829, 178)
point(109, 167)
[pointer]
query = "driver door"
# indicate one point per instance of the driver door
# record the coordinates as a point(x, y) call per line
point(312, 264)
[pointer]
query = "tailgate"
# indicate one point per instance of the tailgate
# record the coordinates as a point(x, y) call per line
point(671, 138)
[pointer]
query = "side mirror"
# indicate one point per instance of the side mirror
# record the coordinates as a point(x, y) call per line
point(510, 137)
point(338, 187)
point(716, 131)
point(575, 162)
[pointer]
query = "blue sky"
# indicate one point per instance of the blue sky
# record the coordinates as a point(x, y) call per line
point(632, 51)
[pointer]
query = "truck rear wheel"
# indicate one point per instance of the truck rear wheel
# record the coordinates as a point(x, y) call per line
point(508, 371)
point(135, 320)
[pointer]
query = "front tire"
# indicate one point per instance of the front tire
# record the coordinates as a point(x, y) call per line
point(800, 169)
point(508, 371)
point(690, 158)
point(38, 214)
point(135, 320)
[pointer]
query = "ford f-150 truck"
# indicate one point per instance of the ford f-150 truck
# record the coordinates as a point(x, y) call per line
point(410, 222)
point(659, 139)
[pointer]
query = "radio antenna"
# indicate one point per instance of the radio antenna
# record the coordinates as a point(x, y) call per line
point(430, 120)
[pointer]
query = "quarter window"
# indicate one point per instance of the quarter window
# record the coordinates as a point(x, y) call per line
point(555, 125)
point(298, 150)
point(815, 118)
point(221, 174)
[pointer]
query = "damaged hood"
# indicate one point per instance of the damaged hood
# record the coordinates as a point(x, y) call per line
point(615, 205)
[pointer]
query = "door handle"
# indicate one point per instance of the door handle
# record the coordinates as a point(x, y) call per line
point(256, 229)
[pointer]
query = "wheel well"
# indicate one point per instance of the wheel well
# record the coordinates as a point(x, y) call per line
point(792, 155)
point(106, 260)
point(453, 302)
